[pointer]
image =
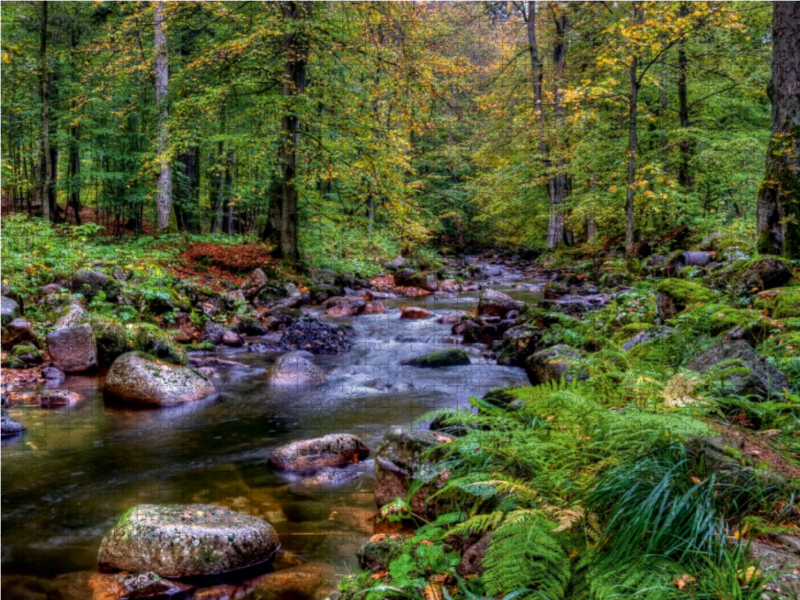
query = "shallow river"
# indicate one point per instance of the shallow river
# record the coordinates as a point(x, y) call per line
point(75, 470)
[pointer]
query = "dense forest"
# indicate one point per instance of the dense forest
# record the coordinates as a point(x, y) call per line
point(427, 300)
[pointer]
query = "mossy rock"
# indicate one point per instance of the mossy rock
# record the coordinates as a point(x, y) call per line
point(744, 322)
point(675, 295)
point(377, 555)
point(13, 362)
point(203, 346)
point(112, 340)
point(440, 358)
point(631, 329)
point(152, 340)
point(787, 304)
point(187, 540)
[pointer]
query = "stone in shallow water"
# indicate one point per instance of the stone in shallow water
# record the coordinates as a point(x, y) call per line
point(9, 427)
point(187, 540)
point(137, 378)
point(329, 451)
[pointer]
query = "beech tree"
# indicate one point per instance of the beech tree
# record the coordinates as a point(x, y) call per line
point(778, 207)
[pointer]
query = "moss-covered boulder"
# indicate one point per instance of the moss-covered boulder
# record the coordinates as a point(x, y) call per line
point(765, 273)
point(333, 450)
point(112, 340)
point(152, 340)
point(744, 323)
point(439, 358)
point(139, 379)
point(628, 331)
point(675, 295)
point(736, 364)
point(187, 540)
point(28, 354)
point(376, 554)
point(401, 460)
point(553, 364)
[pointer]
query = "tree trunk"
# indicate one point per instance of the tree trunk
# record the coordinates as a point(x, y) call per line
point(778, 207)
point(633, 144)
point(294, 83)
point(46, 164)
point(55, 211)
point(186, 194)
point(684, 178)
point(164, 194)
point(558, 183)
point(271, 232)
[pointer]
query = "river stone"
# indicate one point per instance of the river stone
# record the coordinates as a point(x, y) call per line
point(763, 380)
point(71, 344)
point(9, 309)
point(380, 550)
point(17, 331)
point(231, 338)
point(400, 460)
point(439, 358)
point(333, 450)
point(496, 304)
point(187, 540)
point(347, 306)
point(8, 426)
point(254, 284)
point(137, 378)
point(551, 364)
point(415, 312)
point(294, 368)
point(316, 337)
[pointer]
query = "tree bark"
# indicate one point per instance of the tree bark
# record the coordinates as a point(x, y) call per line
point(46, 164)
point(778, 206)
point(271, 232)
point(164, 193)
point(294, 83)
point(684, 178)
point(557, 186)
point(633, 147)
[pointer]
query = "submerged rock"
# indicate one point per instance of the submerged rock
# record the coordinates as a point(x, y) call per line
point(439, 358)
point(415, 312)
point(295, 369)
point(329, 451)
point(137, 378)
point(8, 426)
point(187, 540)
point(56, 398)
point(762, 379)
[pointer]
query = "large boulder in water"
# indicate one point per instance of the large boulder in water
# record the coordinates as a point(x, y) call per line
point(400, 460)
point(333, 450)
point(439, 358)
point(424, 280)
point(71, 344)
point(497, 304)
point(295, 368)
point(187, 540)
point(138, 378)
point(552, 364)
point(761, 380)
point(316, 337)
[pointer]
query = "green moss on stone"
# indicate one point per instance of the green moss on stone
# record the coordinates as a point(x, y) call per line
point(685, 293)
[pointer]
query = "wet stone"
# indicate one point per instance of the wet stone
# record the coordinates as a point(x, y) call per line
point(187, 540)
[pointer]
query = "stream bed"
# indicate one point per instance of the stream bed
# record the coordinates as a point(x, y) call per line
point(67, 479)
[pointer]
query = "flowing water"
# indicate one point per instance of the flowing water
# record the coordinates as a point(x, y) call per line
point(75, 470)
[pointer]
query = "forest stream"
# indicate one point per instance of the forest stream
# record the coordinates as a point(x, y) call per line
point(77, 469)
